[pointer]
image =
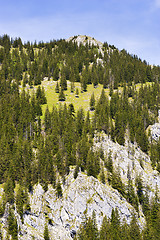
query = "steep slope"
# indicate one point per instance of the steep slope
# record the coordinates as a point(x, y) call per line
point(84, 194)
point(80, 198)
point(129, 159)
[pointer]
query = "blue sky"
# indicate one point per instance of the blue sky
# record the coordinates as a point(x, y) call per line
point(129, 24)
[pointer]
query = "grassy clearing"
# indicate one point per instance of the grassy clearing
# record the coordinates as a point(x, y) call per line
point(82, 101)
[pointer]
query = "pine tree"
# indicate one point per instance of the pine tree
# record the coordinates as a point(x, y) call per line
point(57, 88)
point(59, 190)
point(12, 225)
point(77, 93)
point(76, 172)
point(9, 189)
point(63, 81)
point(134, 229)
point(72, 87)
point(105, 230)
point(92, 102)
point(46, 232)
point(20, 201)
point(115, 225)
point(102, 176)
point(62, 95)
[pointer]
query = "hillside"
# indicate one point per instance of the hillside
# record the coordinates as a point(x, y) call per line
point(79, 141)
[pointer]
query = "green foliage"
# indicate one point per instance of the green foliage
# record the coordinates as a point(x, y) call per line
point(20, 200)
point(102, 176)
point(117, 182)
point(59, 190)
point(77, 92)
point(9, 191)
point(93, 164)
point(76, 172)
point(109, 162)
point(88, 229)
point(131, 195)
point(105, 233)
point(92, 102)
point(32, 148)
point(46, 232)
point(57, 88)
point(40, 95)
point(112, 229)
point(134, 229)
point(12, 225)
point(62, 95)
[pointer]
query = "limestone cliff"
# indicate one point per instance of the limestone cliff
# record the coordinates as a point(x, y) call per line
point(84, 194)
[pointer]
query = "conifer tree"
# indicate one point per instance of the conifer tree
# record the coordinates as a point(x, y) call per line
point(115, 224)
point(102, 176)
point(77, 93)
point(92, 102)
point(62, 95)
point(46, 232)
point(57, 88)
point(59, 189)
point(63, 81)
point(72, 87)
point(9, 189)
point(105, 230)
point(134, 229)
point(20, 201)
point(12, 225)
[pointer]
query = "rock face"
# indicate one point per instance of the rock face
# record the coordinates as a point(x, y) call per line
point(155, 129)
point(84, 194)
point(129, 159)
point(80, 197)
point(81, 39)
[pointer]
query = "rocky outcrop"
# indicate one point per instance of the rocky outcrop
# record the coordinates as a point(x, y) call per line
point(82, 39)
point(155, 129)
point(129, 159)
point(80, 197)
point(85, 193)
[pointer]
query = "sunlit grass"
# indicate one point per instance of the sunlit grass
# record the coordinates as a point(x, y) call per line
point(83, 100)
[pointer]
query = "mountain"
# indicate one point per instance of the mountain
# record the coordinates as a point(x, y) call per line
point(81, 39)
point(79, 141)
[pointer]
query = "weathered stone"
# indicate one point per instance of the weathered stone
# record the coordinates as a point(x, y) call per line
point(84, 194)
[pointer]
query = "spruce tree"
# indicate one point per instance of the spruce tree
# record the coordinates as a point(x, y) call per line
point(62, 95)
point(77, 93)
point(92, 102)
point(134, 229)
point(46, 232)
point(59, 189)
point(12, 225)
point(57, 88)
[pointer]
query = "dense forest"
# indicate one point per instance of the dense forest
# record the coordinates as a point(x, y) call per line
point(33, 150)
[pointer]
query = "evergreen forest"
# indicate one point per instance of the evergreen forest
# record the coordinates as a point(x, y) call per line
point(39, 146)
